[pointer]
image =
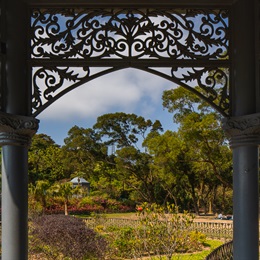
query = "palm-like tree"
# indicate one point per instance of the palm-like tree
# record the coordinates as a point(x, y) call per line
point(65, 191)
point(40, 192)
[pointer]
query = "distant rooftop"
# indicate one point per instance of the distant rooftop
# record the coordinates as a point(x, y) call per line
point(78, 180)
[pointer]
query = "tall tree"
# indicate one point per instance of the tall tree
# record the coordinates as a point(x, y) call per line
point(45, 160)
point(174, 169)
point(127, 133)
point(134, 170)
point(200, 129)
point(82, 150)
point(123, 129)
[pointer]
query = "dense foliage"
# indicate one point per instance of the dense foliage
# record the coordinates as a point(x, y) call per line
point(157, 231)
point(64, 236)
point(129, 159)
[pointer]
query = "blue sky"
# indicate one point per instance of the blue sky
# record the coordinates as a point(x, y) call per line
point(129, 91)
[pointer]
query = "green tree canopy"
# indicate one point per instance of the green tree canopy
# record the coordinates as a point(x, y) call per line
point(46, 160)
point(82, 150)
point(123, 129)
point(206, 148)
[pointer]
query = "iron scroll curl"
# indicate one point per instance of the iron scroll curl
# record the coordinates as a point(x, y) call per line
point(66, 41)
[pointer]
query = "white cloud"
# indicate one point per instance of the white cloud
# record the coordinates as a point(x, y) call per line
point(129, 90)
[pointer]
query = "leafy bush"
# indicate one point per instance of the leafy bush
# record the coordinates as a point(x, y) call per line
point(123, 242)
point(57, 235)
point(196, 241)
point(86, 201)
point(86, 205)
point(34, 207)
point(165, 231)
point(159, 231)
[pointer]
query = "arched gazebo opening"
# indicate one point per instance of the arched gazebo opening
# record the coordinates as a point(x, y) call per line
point(213, 46)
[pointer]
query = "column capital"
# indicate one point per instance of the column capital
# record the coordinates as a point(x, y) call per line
point(242, 130)
point(17, 130)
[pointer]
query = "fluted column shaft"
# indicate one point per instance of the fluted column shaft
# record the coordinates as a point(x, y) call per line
point(244, 134)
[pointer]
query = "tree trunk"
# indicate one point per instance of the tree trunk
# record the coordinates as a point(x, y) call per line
point(210, 206)
point(224, 198)
point(66, 208)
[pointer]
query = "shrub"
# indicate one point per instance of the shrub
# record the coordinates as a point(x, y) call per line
point(163, 231)
point(196, 241)
point(34, 208)
point(57, 235)
point(79, 206)
point(124, 242)
point(159, 231)
point(86, 201)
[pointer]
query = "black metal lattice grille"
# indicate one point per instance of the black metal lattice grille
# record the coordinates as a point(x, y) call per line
point(68, 44)
point(129, 33)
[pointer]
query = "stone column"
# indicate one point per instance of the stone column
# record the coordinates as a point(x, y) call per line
point(16, 127)
point(244, 134)
point(15, 136)
point(243, 127)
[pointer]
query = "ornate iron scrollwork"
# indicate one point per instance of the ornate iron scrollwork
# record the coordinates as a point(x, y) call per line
point(50, 83)
point(210, 83)
point(124, 33)
point(54, 78)
point(67, 40)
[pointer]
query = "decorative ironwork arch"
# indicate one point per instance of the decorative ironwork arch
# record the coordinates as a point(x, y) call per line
point(71, 46)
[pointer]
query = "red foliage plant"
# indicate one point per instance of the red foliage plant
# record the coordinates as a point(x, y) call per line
point(70, 236)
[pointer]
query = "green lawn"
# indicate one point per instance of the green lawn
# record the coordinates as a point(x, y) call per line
point(128, 215)
point(194, 256)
